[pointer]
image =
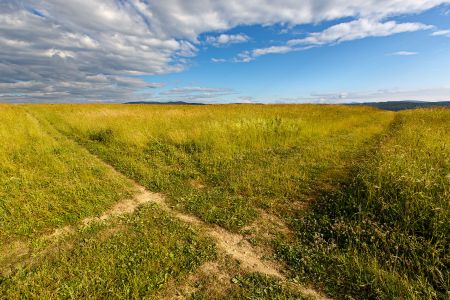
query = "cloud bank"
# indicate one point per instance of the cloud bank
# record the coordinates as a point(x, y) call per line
point(430, 94)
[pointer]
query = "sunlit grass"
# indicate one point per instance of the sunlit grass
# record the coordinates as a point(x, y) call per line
point(385, 233)
point(366, 193)
point(131, 258)
point(47, 181)
point(222, 162)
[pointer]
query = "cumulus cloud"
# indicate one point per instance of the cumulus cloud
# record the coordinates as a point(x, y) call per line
point(182, 20)
point(80, 51)
point(56, 49)
point(226, 39)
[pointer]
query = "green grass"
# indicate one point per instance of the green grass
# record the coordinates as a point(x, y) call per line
point(252, 286)
point(386, 232)
point(222, 162)
point(132, 258)
point(47, 181)
point(365, 192)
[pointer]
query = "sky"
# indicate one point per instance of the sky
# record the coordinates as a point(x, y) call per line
point(224, 51)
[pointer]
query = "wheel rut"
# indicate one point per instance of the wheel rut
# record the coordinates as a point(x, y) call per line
point(232, 244)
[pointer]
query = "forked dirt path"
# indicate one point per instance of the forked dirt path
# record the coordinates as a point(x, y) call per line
point(231, 244)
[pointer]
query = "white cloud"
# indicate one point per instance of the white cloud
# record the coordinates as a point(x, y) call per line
point(357, 29)
point(403, 53)
point(269, 50)
point(347, 31)
point(59, 46)
point(441, 33)
point(248, 56)
point(182, 20)
point(218, 60)
point(226, 39)
point(60, 53)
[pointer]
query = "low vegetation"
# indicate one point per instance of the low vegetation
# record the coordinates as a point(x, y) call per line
point(252, 286)
point(360, 197)
point(132, 257)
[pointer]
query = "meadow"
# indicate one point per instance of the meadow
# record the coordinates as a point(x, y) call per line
point(350, 202)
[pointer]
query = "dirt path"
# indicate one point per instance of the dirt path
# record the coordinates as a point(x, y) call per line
point(231, 244)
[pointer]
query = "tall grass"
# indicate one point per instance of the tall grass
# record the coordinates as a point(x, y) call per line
point(47, 181)
point(386, 233)
point(222, 162)
point(366, 193)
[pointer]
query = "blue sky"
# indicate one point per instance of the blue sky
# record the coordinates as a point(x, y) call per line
point(225, 51)
point(365, 66)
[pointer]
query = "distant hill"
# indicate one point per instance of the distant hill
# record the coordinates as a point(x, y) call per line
point(167, 103)
point(388, 105)
point(402, 105)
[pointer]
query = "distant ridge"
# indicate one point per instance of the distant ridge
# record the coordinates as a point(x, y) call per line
point(402, 105)
point(388, 105)
point(167, 103)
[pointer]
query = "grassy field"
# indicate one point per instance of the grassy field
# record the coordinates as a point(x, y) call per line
point(132, 257)
point(222, 162)
point(49, 182)
point(385, 233)
point(352, 201)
